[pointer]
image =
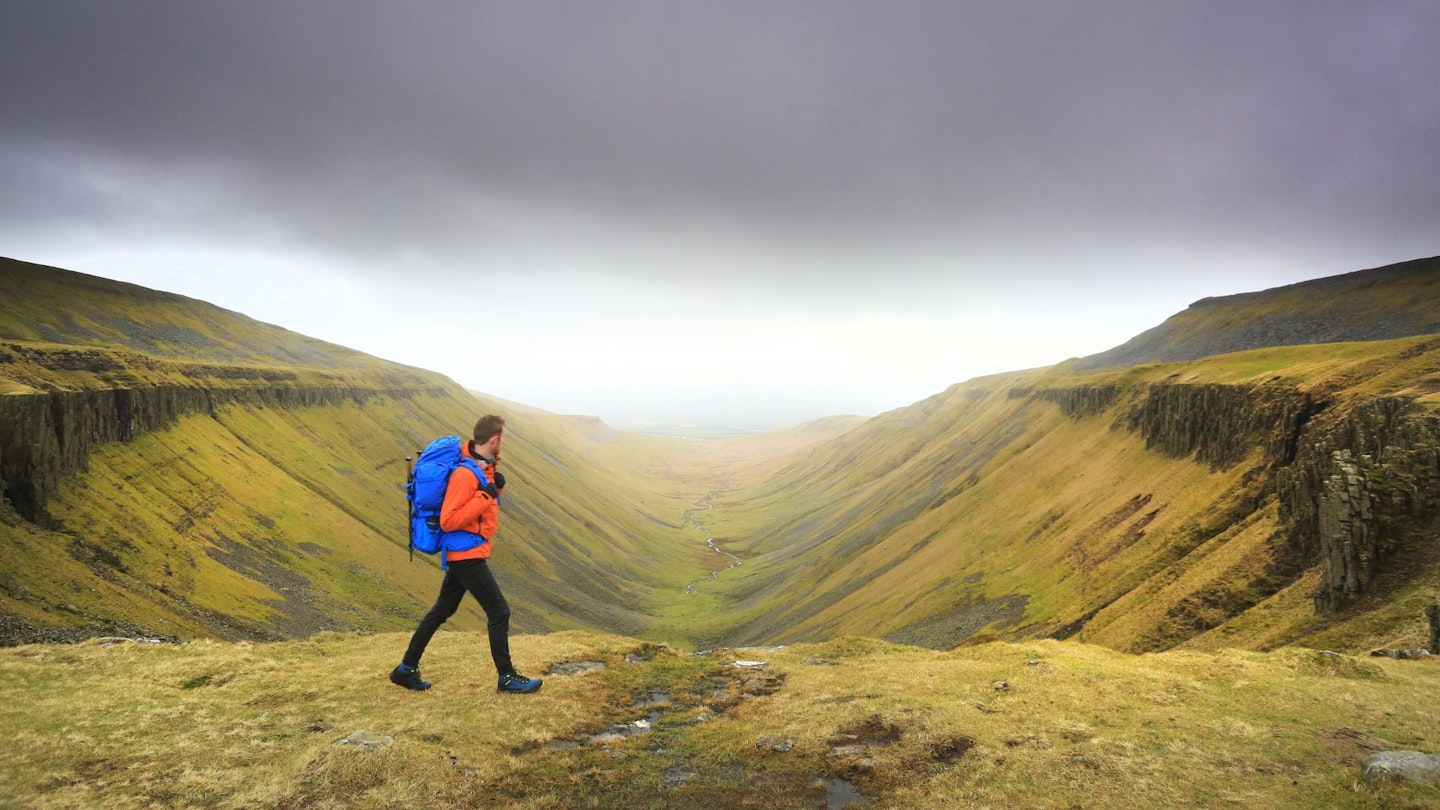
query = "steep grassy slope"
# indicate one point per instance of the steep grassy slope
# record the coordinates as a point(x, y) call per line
point(1041, 724)
point(1145, 508)
point(263, 499)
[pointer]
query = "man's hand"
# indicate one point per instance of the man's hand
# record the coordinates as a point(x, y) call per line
point(493, 475)
point(489, 489)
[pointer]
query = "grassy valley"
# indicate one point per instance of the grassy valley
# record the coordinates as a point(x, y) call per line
point(237, 495)
point(1147, 584)
point(1048, 503)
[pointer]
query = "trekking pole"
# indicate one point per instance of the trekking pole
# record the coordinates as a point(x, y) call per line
point(409, 523)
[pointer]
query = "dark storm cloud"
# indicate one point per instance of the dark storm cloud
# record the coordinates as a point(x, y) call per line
point(839, 130)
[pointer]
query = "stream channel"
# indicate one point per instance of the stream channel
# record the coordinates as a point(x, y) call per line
point(691, 517)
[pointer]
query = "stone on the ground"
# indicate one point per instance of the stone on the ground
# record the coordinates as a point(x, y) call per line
point(575, 667)
point(1403, 765)
point(366, 739)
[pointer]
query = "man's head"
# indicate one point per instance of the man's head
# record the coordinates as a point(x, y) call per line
point(489, 432)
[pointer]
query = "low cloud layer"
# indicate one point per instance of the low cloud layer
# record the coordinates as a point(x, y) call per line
point(867, 160)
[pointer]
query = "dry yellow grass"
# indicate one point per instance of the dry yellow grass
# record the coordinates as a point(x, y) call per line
point(1044, 724)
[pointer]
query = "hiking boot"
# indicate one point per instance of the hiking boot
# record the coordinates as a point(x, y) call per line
point(408, 677)
point(513, 681)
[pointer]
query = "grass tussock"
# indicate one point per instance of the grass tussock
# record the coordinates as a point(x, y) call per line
point(1044, 724)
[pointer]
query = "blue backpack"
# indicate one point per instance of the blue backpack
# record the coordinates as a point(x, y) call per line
point(426, 491)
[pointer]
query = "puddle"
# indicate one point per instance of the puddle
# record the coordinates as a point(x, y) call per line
point(655, 700)
point(607, 738)
point(675, 777)
point(840, 793)
point(613, 735)
point(575, 667)
point(650, 708)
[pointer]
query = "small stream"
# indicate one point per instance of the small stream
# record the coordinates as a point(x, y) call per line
point(691, 517)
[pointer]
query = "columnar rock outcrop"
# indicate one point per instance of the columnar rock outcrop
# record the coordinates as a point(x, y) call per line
point(1349, 541)
point(1220, 424)
point(1363, 492)
point(1082, 400)
point(1354, 489)
point(47, 437)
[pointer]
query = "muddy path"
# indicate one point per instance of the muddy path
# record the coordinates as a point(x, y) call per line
point(692, 517)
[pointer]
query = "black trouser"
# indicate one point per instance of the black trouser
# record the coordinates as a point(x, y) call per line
point(473, 576)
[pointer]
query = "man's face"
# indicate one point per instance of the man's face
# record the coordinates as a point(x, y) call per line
point(491, 447)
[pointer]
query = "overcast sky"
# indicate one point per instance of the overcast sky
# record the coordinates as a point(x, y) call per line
point(756, 212)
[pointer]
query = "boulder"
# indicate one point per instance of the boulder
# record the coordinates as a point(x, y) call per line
point(1413, 766)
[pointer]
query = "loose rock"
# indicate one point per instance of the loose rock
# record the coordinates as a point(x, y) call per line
point(675, 777)
point(777, 744)
point(366, 739)
point(1403, 655)
point(1403, 765)
point(575, 667)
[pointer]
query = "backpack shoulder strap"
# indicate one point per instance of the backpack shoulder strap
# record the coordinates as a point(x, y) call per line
point(469, 463)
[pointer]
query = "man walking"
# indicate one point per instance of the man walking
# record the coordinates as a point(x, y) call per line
point(471, 507)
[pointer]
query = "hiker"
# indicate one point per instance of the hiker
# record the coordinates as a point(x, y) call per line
point(471, 506)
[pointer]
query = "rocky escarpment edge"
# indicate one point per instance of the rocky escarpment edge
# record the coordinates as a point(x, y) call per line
point(47, 437)
point(1363, 492)
point(1357, 483)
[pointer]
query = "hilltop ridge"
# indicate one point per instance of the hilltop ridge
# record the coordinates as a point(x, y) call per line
point(1382, 303)
point(57, 306)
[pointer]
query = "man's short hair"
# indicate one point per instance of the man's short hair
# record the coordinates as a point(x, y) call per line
point(488, 426)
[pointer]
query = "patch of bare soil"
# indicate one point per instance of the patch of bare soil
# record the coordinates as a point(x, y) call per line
point(1351, 746)
point(941, 631)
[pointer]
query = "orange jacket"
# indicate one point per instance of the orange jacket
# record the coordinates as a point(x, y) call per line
point(469, 509)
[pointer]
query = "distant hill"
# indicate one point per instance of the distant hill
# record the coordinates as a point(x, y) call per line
point(789, 439)
point(1399, 300)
